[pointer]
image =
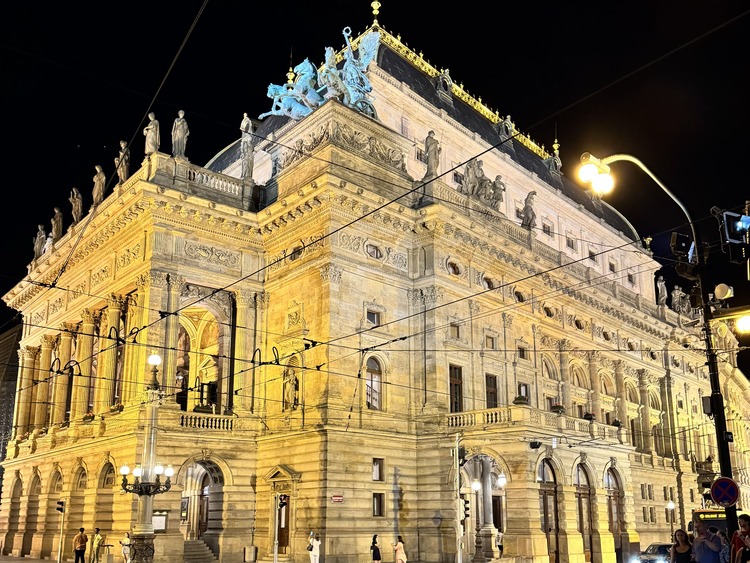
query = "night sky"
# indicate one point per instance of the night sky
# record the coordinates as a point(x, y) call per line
point(662, 81)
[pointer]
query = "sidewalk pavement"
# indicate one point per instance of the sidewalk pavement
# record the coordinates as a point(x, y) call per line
point(9, 559)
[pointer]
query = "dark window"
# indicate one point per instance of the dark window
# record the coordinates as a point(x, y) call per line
point(421, 156)
point(458, 178)
point(592, 255)
point(378, 504)
point(489, 342)
point(547, 229)
point(491, 391)
point(523, 353)
point(570, 242)
point(455, 331)
point(456, 388)
point(373, 251)
point(374, 377)
point(612, 267)
point(373, 317)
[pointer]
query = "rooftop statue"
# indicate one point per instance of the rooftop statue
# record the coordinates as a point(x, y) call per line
point(311, 88)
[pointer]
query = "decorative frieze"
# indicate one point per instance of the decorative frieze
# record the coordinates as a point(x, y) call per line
point(330, 273)
point(211, 254)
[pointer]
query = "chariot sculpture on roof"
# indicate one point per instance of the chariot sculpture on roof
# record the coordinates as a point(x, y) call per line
point(311, 88)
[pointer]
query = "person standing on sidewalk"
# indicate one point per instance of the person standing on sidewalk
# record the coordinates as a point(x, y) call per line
point(79, 546)
point(96, 544)
point(375, 548)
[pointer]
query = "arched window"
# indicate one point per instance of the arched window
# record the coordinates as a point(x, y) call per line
point(107, 477)
point(548, 369)
point(56, 483)
point(548, 505)
point(81, 479)
point(614, 508)
point(631, 394)
point(373, 384)
point(583, 505)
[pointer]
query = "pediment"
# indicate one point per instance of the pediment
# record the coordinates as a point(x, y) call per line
point(281, 473)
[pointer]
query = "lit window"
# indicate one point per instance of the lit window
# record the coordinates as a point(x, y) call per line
point(378, 469)
point(373, 317)
point(378, 504)
point(373, 383)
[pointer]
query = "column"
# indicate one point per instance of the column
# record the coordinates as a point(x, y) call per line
point(42, 407)
point(81, 383)
point(622, 401)
point(565, 346)
point(106, 369)
point(647, 441)
point(27, 356)
point(175, 284)
point(132, 353)
point(61, 382)
point(245, 328)
point(596, 385)
point(487, 525)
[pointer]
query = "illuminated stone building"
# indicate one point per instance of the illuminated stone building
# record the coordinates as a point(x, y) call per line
point(334, 320)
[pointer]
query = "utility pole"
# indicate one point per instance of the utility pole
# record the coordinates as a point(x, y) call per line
point(458, 503)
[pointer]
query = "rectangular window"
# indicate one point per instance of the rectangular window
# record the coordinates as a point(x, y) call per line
point(378, 504)
point(645, 514)
point(592, 255)
point(523, 390)
point(456, 388)
point(373, 317)
point(458, 178)
point(631, 279)
point(665, 494)
point(652, 514)
point(421, 157)
point(643, 491)
point(550, 401)
point(455, 331)
point(651, 492)
point(613, 267)
point(519, 213)
point(580, 410)
point(491, 381)
point(490, 342)
point(547, 229)
point(692, 495)
point(671, 493)
point(570, 242)
point(523, 353)
point(378, 469)
point(680, 404)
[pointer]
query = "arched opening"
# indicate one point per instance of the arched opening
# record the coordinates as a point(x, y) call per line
point(13, 518)
point(202, 505)
point(182, 375)
point(614, 510)
point(548, 504)
point(105, 496)
point(583, 509)
point(32, 515)
point(373, 384)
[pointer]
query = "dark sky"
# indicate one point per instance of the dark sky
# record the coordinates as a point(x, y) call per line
point(664, 81)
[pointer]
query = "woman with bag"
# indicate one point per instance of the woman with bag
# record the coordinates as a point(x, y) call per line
point(314, 547)
point(375, 548)
point(398, 547)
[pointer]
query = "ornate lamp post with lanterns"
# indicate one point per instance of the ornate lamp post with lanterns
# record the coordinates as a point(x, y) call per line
point(147, 474)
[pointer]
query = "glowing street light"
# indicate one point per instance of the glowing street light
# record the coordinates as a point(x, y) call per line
point(592, 170)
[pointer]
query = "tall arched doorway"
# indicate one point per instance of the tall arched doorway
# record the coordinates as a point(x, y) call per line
point(32, 515)
point(202, 507)
point(614, 509)
point(548, 507)
point(13, 517)
point(583, 509)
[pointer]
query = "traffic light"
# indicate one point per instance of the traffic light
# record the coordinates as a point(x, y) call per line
point(736, 227)
point(736, 236)
point(461, 456)
point(283, 500)
point(60, 506)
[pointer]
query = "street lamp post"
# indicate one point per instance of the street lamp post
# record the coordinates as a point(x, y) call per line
point(670, 508)
point(596, 171)
point(147, 475)
point(476, 486)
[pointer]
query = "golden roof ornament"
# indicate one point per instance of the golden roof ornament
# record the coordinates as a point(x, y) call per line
point(375, 11)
